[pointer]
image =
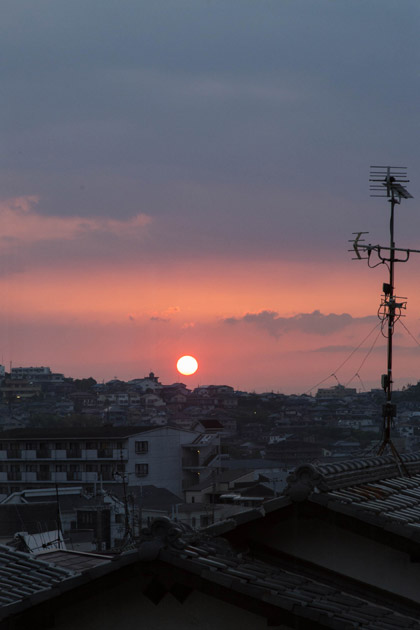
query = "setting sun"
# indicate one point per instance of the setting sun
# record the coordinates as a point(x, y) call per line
point(187, 365)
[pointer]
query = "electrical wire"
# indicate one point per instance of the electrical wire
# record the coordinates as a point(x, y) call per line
point(361, 382)
point(343, 362)
point(365, 358)
point(411, 335)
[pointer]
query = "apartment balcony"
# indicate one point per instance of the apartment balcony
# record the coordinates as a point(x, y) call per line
point(105, 453)
point(59, 454)
point(73, 453)
point(90, 477)
point(29, 454)
point(14, 454)
point(43, 453)
point(59, 477)
point(29, 477)
point(74, 476)
point(90, 453)
point(43, 476)
point(14, 476)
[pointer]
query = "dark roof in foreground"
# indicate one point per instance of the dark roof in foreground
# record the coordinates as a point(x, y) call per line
point(289, 591)
point(24, 577)
point(377, 490)
point(174, 556)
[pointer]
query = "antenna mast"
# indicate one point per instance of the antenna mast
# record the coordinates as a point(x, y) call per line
point(387, 181)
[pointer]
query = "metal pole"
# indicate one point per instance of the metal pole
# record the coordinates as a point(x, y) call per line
point(391, 317)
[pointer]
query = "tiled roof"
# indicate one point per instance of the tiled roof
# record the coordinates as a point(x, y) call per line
point(373, 486)
point(74, 560)
point(23, 577)
point(306, 598)
point(209, 562)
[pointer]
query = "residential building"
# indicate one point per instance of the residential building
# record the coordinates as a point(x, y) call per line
point(166, 457)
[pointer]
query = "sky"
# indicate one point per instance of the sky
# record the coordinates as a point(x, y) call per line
point(183, 177)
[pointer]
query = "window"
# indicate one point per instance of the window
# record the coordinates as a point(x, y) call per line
point(142, 447)
point(142, 470)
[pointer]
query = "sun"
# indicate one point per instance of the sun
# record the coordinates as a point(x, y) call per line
point(187, 365)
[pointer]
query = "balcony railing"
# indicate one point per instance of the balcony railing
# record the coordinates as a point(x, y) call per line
point(74, 476)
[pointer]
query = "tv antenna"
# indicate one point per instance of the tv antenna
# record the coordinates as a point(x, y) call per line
point(388, 182)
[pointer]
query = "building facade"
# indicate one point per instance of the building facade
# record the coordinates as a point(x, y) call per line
point(166, 457)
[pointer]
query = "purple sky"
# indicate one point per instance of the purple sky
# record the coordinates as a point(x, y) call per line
point(192, 171)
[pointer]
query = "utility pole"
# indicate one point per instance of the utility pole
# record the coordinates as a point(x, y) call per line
point(128, 533)
point(387, 181)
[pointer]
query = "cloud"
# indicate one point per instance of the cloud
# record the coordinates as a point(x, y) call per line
point(315, 323)
point(22, 223)
point(165, 315)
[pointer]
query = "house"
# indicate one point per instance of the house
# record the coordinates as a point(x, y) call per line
point(153, 503)
point(87, 522)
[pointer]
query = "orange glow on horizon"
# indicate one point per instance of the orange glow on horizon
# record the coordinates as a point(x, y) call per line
point(204, 291)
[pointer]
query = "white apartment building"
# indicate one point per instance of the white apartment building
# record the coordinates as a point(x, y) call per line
point(166, 457)
point(38, 374)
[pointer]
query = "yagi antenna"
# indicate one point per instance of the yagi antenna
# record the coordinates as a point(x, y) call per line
point(388, 182)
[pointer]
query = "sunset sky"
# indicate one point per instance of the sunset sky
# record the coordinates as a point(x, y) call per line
point(183, 177)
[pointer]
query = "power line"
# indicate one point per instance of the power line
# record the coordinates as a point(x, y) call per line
point(365, 358)
point(411, 335)
point(343, 362)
